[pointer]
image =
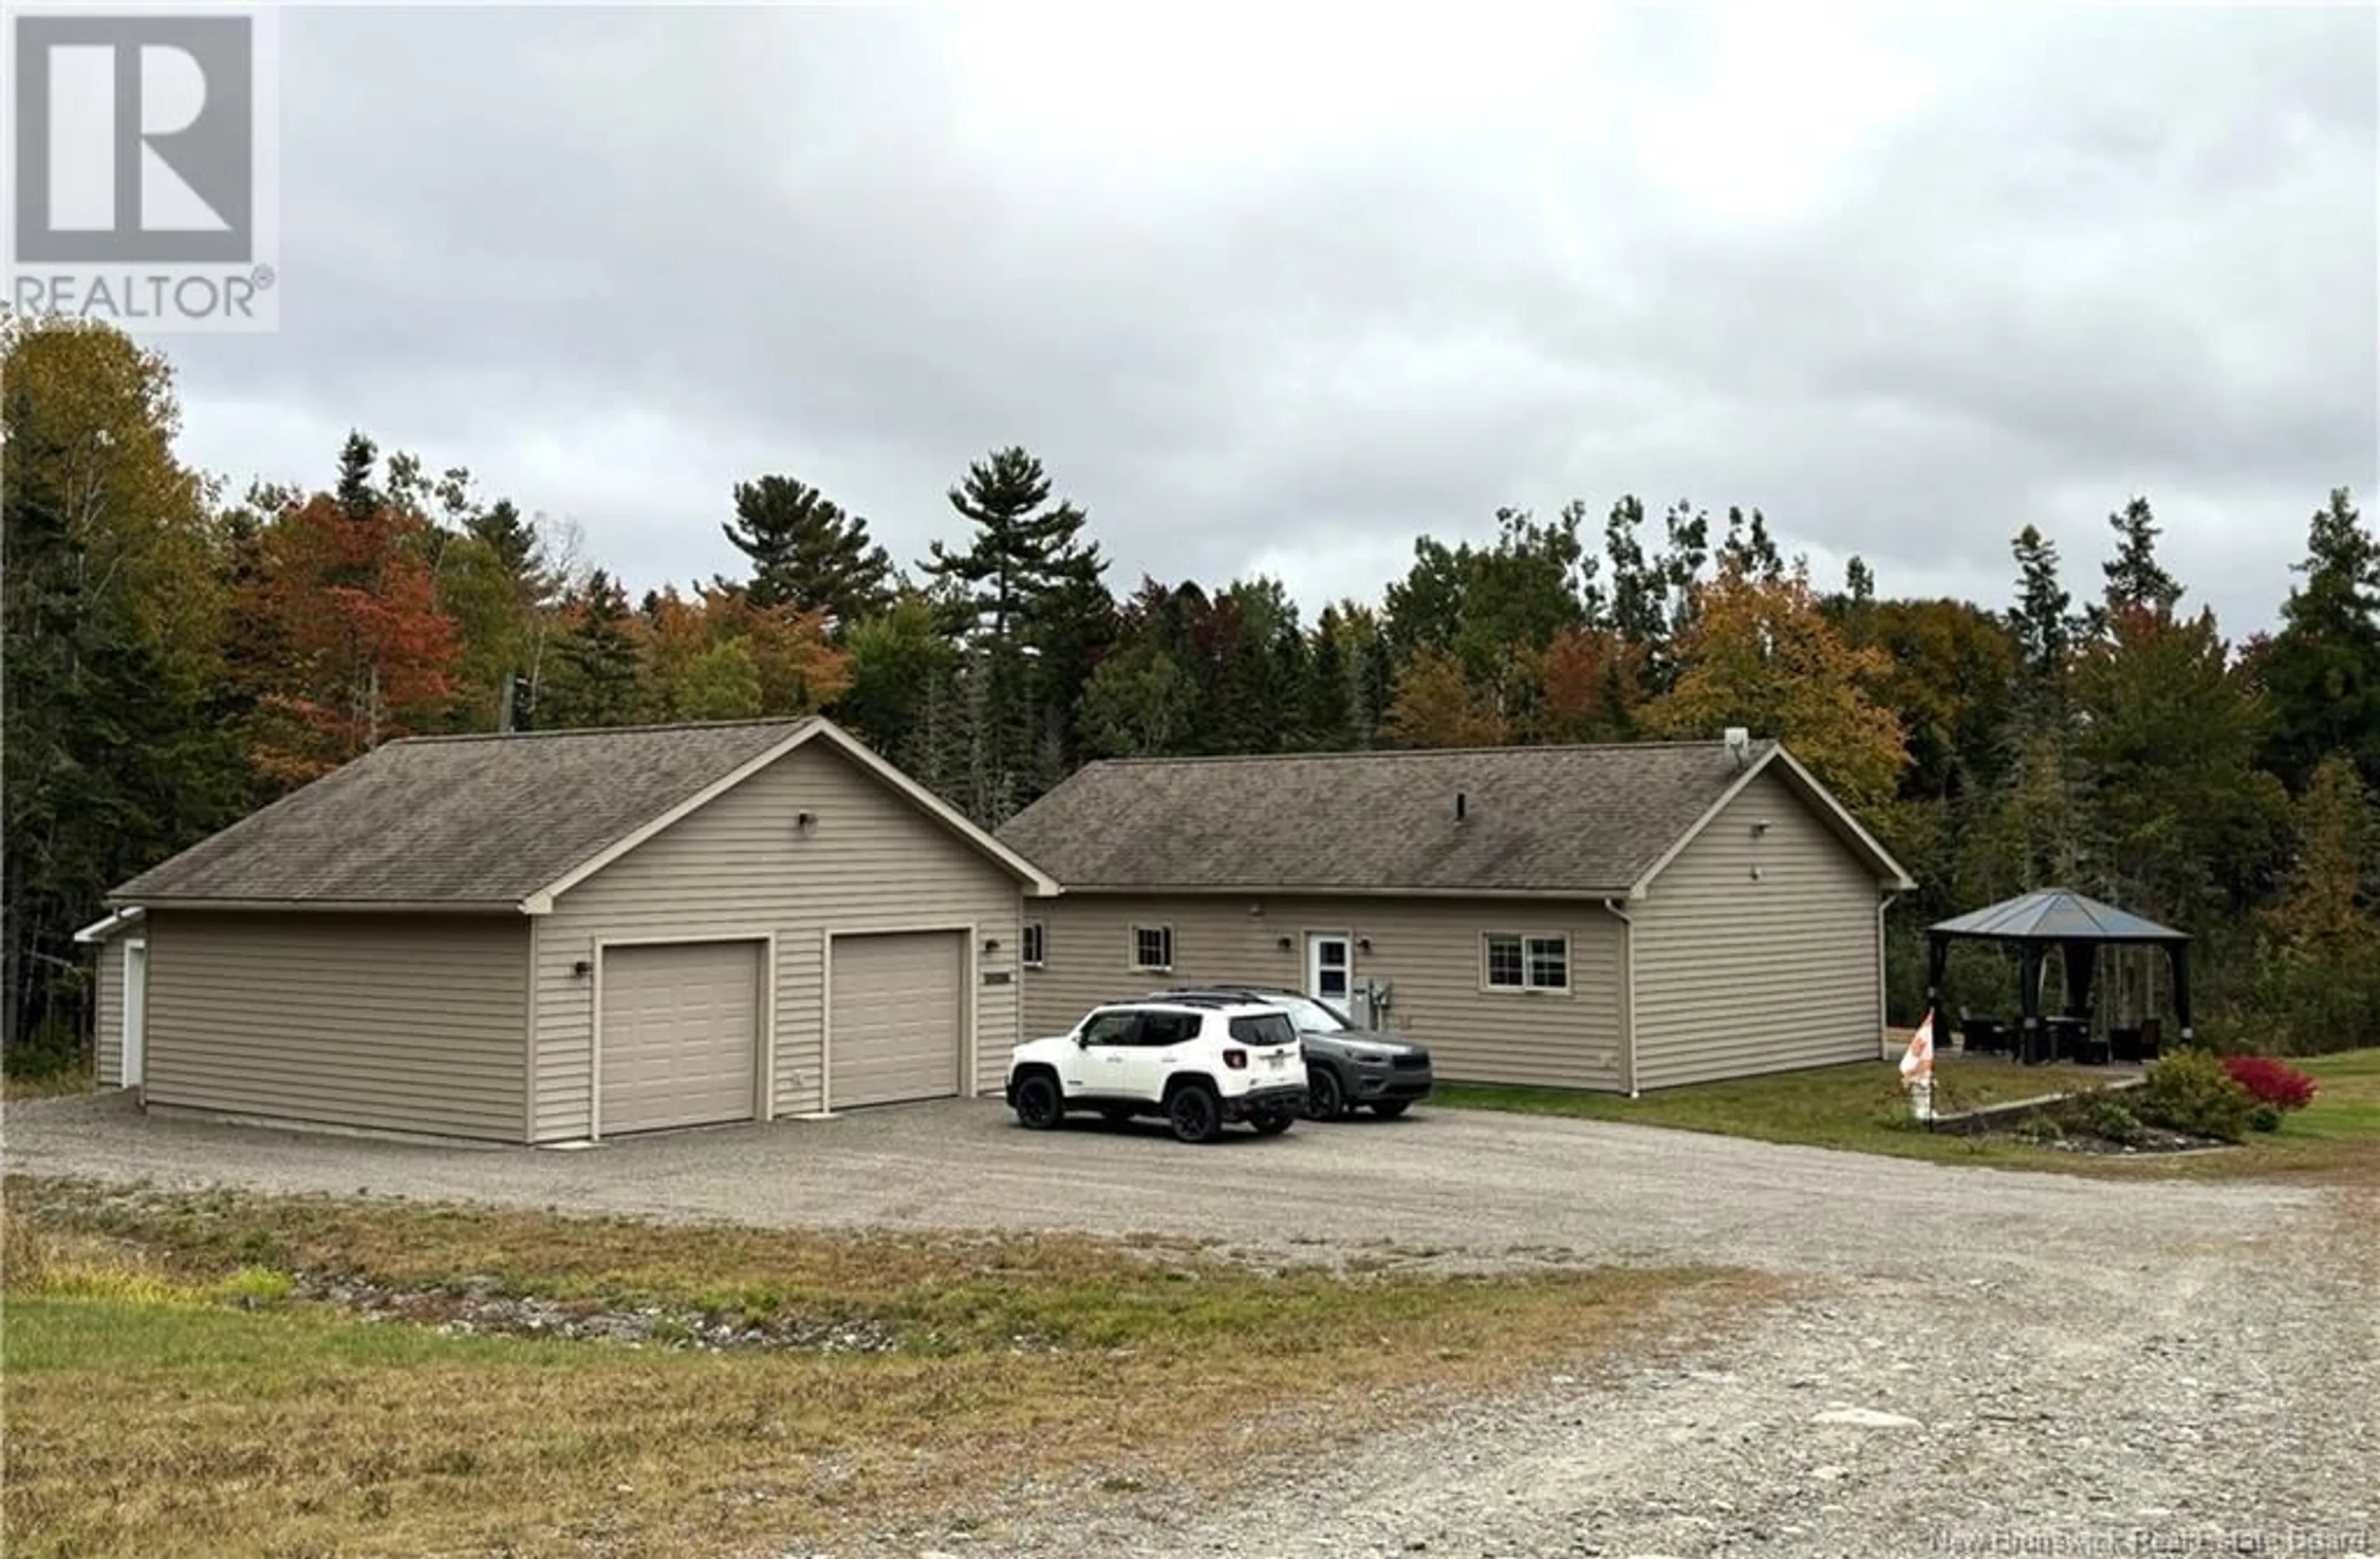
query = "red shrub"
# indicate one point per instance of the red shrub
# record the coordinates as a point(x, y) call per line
point(2270, 1080)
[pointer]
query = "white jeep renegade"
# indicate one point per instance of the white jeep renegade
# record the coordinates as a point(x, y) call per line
point(1196, 1061)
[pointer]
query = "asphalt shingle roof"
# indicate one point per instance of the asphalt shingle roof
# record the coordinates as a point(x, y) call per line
point(1536, 819)
point(457, 819)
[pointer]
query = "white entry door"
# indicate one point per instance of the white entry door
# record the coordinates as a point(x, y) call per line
point(1330, 965)
point(135, 1011)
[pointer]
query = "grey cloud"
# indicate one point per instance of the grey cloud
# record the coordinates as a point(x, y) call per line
point(616, 260)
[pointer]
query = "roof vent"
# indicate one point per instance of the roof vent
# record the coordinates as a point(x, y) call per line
point(1461, 805)
point(1739, 744)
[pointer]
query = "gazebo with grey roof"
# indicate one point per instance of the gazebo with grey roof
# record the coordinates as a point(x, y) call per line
point(2076, 927)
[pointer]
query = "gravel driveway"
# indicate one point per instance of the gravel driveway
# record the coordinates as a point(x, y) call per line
point(1981, 1362)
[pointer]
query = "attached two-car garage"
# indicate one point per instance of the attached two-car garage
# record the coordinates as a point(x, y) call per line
point(683, 1022)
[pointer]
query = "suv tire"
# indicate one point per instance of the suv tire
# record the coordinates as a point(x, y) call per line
point(1194, 1112)
point(1325, 1100)
point(1039, 1105)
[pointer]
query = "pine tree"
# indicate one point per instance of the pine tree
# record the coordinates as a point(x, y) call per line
point(356, 493)
point(595, 680)
point(512, 538)
point(112, 753)
point(1326, 720)
point(2135, 578)
point(2043, 629)
point(1032, 604)
point(2320, 672)
point(806, 553)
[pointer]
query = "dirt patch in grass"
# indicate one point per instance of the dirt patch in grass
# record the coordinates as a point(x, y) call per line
point(1860, 1107)
point(170, 1389)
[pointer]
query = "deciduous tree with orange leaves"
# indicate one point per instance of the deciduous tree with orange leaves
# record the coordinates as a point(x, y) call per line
point(1438, 706)
point(368, 655)
point(1762, 655)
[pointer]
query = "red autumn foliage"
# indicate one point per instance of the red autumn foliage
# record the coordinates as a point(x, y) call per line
point(2271, 1081)
point(368, 655)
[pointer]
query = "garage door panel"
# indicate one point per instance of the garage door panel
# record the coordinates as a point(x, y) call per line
point(896, 1031)
point(681, 1034)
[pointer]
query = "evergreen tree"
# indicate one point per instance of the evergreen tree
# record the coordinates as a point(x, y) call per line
point(356, 493)
point(2135, 578)
point(111, 755)
point(2320, 672)
point(595, 676)
point(1326, 715)
point(512, 538)
point(1034, 612)
point(2043, 629)
point(806, 553)
point(2168, 733)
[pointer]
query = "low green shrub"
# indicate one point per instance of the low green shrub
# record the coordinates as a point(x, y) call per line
point(2264, 1117)
point(2107, 1117)
point(2189, 1091)
point(2039, 1128)
point(52, 1050)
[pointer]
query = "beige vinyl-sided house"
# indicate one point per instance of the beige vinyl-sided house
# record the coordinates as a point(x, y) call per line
point(572, 934)
point(1617, 918)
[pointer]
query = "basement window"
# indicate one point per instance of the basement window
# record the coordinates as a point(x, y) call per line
point(1152, 948)
point(1521, 962)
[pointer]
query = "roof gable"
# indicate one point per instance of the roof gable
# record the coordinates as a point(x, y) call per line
point(1554, 820)
point(493, 822)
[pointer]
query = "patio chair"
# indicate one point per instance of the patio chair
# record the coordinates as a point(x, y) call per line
point(2152, 1034)
point(1981, 1037)
point(2124, 1044)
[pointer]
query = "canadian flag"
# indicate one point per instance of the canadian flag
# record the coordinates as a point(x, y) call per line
point(1917, 1065)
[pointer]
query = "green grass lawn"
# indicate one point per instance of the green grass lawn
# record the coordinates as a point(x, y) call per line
point(1860, 1107)
point(165, 1392)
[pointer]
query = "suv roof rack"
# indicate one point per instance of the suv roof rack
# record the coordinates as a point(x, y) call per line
point(1190, 996)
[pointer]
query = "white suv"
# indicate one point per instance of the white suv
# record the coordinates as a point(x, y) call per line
point(1196, 1061)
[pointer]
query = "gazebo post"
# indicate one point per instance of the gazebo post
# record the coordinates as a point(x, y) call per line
point(2028, 1000)
point(2178, 952)
point(1937, 959)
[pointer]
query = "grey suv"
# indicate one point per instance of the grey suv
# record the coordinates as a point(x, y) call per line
point(1345, 1067)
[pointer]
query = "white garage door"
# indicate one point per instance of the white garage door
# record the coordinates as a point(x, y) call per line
point(681, 1034)
point(896, 1028)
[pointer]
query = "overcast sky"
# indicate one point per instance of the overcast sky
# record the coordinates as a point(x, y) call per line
point(1277, 289)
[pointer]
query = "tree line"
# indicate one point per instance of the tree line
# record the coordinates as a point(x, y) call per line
point(176, 657)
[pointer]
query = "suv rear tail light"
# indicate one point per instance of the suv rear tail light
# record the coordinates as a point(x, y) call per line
point(1236, 1060)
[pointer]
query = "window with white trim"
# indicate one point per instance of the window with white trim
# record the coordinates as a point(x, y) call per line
point(1034, 941)
point(1518, 961)
point(1152, 947)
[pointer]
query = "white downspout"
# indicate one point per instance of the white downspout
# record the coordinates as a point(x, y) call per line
point(1884, 986)
point(1627, 995)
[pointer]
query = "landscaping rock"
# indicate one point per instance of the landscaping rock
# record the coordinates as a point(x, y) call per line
point(1865, 1418)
